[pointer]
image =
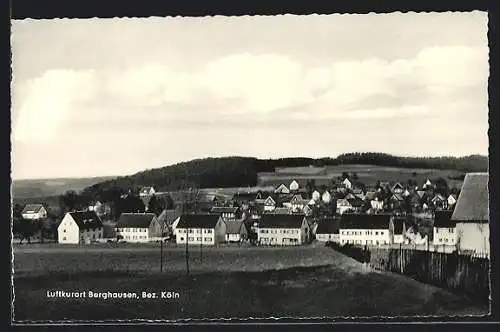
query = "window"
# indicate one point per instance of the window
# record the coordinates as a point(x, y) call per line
point(437, 230)
point(381, 233)
point(190, 238)
point(198, 239)
point(376, 233)
point(451, 230)
point(440, 240)
point(209, 231)
point(64, 230)
point(182, 239)
point(208, 239)
point(93, 236)
point(445, 240)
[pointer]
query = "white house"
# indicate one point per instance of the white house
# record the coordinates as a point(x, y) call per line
point(226, 212)
point(34, 212)
point(444, 229)
point(294, 186)
point(316, 195)
point(80, 227)
point(139, 227)
point(204, 229)
point(347, 184)
point(472, 215)
point(236, 231)
point(269, 204)
point(343, 206)
point(297, 203)
point(377, 205)
point(326, 197)
point(399, 231)
point(427, 184)
point(398, 188)
point(147, 191)
point(328, 230)
point(366, 229)
point(283, 229)
point(282, 189)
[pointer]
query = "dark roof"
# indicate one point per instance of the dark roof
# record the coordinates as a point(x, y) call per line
point(280, 210)
point(364, 221)
point(198, 221)
point(244, 197)
point(281, 220)
point(223, 209)
point(473, 201)
point(86, 219)
point(135, 220)
point(399, 222)
point(32, 208)
point(234, 226)
point(442, 219)
point(328, 226)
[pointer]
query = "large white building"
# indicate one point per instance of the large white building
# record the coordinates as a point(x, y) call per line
point(138, 227)
point(80, 227)
point(204, 229)
point(34, 212)
point(366, 229)
point(283, 229)
point(472, 215)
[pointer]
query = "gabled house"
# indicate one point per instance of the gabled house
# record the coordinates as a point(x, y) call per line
point(399, 234)
point(205, 229)
point(472, 215)
point(377, 205)
point(139, 227)
point(370, 195)
point(205, 201)
point(269, 204)
point(428, 184)
point(226, 212)
point(236, 231)
point(307, 210)
point(282, 189)
point(444, 229)
point(147, 191)
point(439, 202)
point(397, 188)
point(316, 196)
point(283, 229)
point(168, 218)
point(349, 196)
point(80, 227)
point(366, 229)
point(421, 194)
point(294, 186)
point(343, 206)
point(328, 230)
point(347, 184)
point(297, 203)
point(406, 193)
point(34, 212)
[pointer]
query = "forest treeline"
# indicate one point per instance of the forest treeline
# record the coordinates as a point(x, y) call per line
point(242, 171)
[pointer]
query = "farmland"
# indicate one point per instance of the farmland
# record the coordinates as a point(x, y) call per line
point(224, 282)
point(367, 174)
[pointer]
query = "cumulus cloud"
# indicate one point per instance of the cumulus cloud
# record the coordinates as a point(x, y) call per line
point(49, 99)
point(263, 85)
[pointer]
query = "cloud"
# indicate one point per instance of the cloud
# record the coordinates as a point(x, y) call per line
point(48, 101)
point(265, 87)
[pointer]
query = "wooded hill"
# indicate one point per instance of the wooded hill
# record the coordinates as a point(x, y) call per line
point(242, 171)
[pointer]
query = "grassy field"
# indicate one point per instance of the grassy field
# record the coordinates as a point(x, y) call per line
point(51, 187)
point(368, 174)
point(310, 281)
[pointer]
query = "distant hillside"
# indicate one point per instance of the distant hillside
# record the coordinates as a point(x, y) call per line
point(242, 171)
point(22, 189)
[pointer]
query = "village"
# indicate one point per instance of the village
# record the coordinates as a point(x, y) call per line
point(385, 215)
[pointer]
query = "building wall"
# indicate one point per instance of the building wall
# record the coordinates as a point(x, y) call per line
point(233, 237)
point(365, 236)
point(444, 236)
point(68, 231)
point(280, 236)
point(328, 237)
point(91, 234)
point(34, 216)
point(205, 236)
point(474, 236)
point(155, 229)
point(132, 234)
point(398, 238)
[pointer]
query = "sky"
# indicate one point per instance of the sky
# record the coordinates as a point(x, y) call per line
point(99, 97)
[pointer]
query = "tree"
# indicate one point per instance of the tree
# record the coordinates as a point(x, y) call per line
point(169, 202)
point(24, 229)
point(156, 205)
point(354, 176)
point(17, 210)
point(345, 175)
point(68, 201)
point(442, 186)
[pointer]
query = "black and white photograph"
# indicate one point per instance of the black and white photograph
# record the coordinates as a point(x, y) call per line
point(240, 168)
